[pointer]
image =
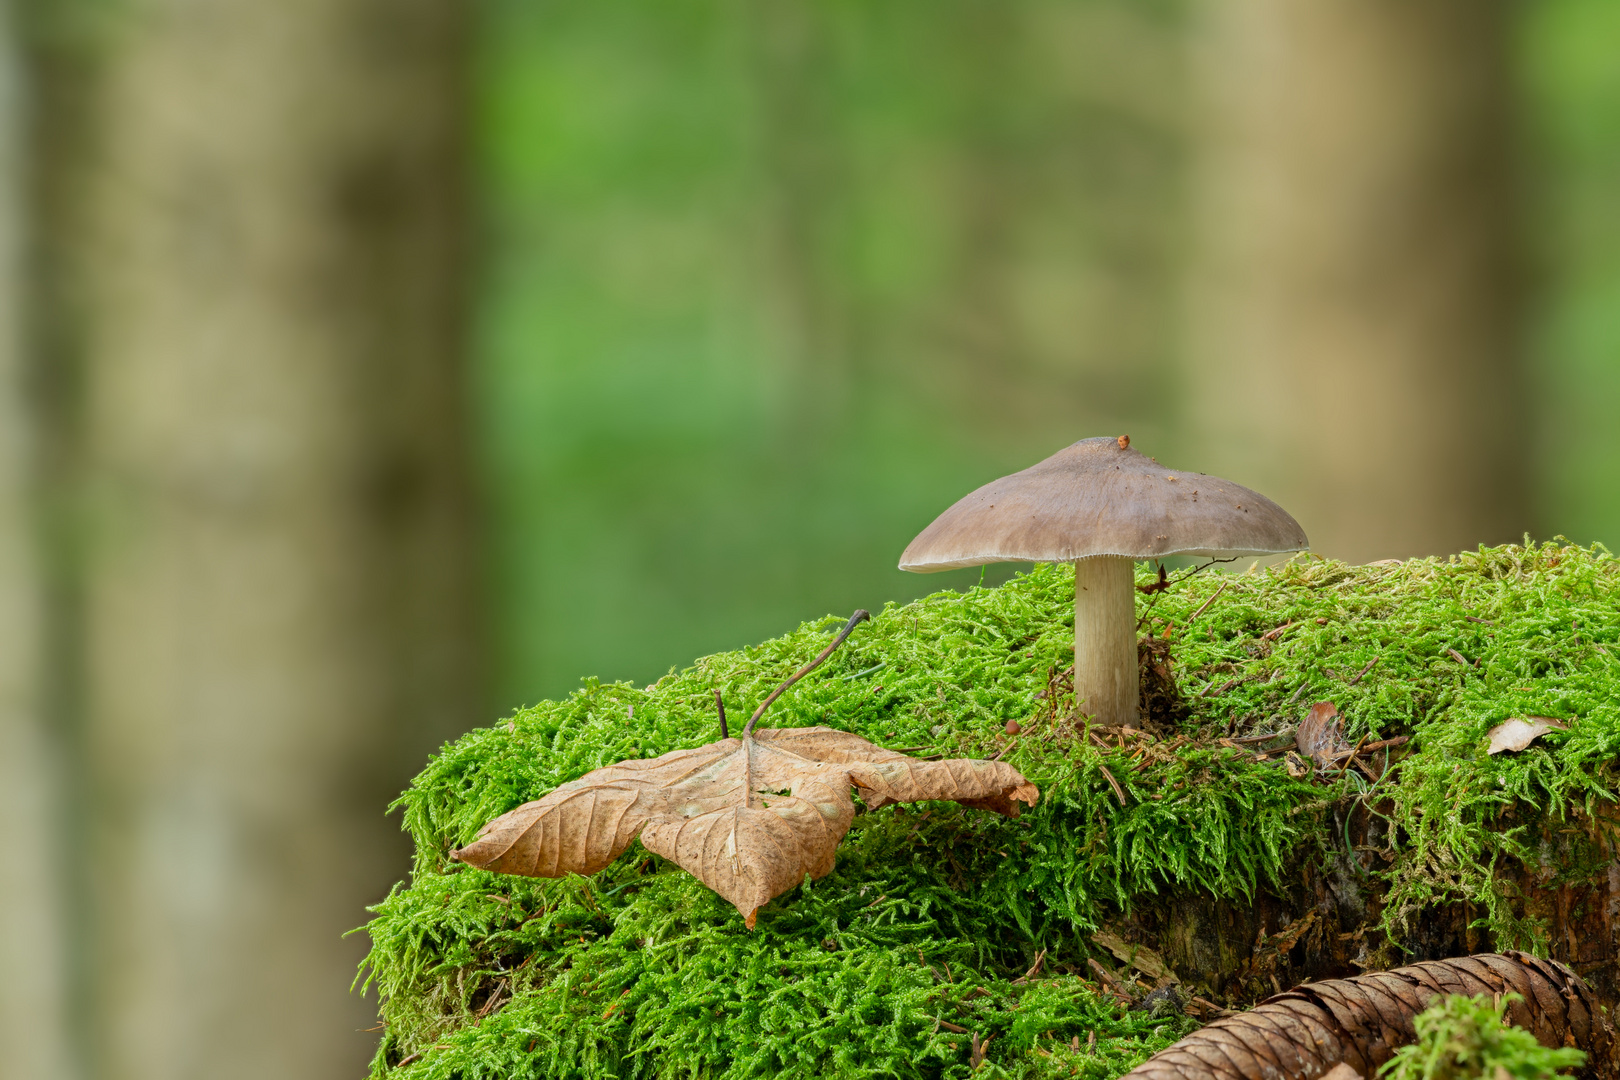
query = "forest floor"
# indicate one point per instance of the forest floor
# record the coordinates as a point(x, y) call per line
point(1170, 871)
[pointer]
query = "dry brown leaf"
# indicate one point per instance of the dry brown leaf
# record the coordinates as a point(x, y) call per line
point(1520, 732)
point(1321, 734)
point(748, 817)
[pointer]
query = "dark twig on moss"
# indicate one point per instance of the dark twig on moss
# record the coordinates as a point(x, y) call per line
point(861, 615)
point(720, 707)
point(1369, 667)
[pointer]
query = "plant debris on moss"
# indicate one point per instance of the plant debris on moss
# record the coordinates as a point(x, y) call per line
point(946, 942)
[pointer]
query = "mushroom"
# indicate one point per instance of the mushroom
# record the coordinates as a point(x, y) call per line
point(1102, 505)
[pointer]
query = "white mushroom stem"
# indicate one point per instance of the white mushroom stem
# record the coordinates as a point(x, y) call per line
point(1106, 682)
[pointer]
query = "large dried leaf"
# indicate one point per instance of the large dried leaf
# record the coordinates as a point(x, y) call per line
point(1358, 1023)
point(1520, 732)
point(748, 817)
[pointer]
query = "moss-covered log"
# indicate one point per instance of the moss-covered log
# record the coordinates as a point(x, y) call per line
point(945, 939)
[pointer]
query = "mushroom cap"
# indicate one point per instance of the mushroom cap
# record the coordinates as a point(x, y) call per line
point(1100, 497)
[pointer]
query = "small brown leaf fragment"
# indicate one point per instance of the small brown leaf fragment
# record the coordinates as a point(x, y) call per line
point(1321, 734)
point(749, 817)
point(1520, 732)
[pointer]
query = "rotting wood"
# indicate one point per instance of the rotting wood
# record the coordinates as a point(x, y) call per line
point(1360, 1021)
point(1210, 943)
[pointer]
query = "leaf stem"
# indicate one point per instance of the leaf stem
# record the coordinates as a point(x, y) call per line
point(861, 615)
point(720, 705)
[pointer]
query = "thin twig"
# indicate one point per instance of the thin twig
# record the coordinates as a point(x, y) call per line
point(1351, 760)
point(861, 614)
point(721, 706)
point(494, 998)
point(1178, 579)
point(1296, 693)
point(1370, 664)
point(1118, 794)
point(1191, 570)
point(1208, 602)
point(1291, 744)
point(1381, 744)
point(609, 1011)
point(1108, 979)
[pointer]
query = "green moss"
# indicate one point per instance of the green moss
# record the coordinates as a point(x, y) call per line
point(934, 911)
point(1461, 1038)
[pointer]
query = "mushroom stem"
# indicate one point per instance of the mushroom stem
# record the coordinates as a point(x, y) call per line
point(1106, 680)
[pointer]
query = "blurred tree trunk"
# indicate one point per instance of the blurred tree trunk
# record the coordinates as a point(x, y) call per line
point(252, 266)
point(1354, 331)
point(33, 954)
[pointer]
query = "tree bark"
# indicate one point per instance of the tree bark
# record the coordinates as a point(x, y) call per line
point(1354, 327)
point(253, 266)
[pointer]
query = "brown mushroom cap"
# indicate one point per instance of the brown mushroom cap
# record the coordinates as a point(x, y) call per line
point(1099, 497)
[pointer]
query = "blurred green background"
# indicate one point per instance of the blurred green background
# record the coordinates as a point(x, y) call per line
point(1569, 62)
point(769, 285)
